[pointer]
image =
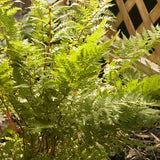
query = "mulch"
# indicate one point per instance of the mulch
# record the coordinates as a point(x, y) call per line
point(150, 138)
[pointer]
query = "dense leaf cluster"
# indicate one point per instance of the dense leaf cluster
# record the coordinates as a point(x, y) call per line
point(49, 81)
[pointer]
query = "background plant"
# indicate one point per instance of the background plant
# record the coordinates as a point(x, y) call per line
point(49, 83)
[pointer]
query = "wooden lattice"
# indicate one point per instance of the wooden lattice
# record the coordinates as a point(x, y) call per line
point(134, 15)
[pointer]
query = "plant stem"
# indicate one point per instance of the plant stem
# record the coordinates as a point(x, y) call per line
point(7, 113)
point(108, 63)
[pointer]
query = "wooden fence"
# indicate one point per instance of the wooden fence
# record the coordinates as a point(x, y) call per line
point(134, 15)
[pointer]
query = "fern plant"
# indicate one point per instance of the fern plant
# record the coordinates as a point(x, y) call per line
point(49, 83)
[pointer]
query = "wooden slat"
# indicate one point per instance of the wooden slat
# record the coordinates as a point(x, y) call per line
point(140, 28)
point(119, 19)
point(154, 13)
point(144, 14)
point(126, 17)
point(157, 52)
point(128, 5)
point(158, 2)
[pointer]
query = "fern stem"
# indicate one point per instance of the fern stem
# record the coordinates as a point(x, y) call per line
point(63, 97)
point(11, 122)
point(20, 124)
point(7, 113)
point(108, 63)
point(74, 95)
point(46, 145)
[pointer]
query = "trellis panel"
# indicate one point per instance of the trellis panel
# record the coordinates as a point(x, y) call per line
point(134, 15)
point(125, 16)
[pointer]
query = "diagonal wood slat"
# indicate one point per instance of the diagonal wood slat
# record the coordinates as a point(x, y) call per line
point(125, 16)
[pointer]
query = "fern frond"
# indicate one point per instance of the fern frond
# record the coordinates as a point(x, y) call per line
point(148, 86)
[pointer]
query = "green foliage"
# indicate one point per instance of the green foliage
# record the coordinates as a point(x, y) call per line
point(12, 146)
point(49, 81)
